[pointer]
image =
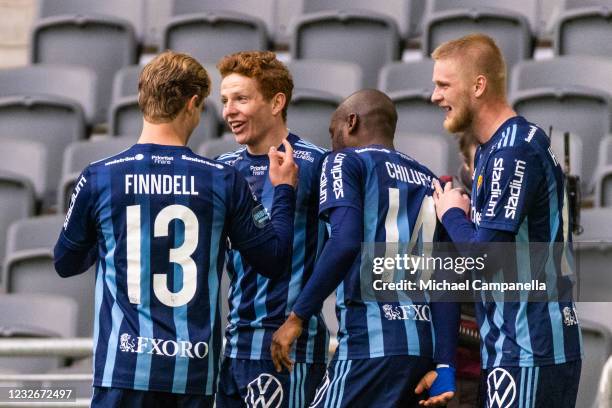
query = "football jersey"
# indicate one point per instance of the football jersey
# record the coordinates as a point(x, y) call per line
point(258, 305)
point(160, 217)
point(394, 194)
point(518, 187)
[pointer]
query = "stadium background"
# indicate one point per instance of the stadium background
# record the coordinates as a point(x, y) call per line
point(68, 97)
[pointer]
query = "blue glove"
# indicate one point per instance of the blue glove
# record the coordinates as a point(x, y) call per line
point(444, 382)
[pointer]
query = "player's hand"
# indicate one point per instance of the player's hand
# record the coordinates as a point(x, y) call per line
point(448, 198)
point(426, 383)
point(283, 340)
point(283, 169)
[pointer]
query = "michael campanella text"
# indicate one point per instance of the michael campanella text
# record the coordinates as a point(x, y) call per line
point(444, 285)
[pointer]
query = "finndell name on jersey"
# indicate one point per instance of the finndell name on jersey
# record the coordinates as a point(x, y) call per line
point(160, 184)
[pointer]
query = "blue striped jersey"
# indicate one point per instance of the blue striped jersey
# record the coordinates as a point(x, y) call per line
point(160, 216)
point(394, 194)
point(257, 305)
point(519, 188)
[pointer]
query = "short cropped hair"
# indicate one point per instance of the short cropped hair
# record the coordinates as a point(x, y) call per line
point(271, 75)
point(167, 83)
point(479, 52)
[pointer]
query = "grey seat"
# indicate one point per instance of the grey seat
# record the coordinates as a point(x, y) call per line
point(75, 83)
point(603, 187)
point(368, 39)
point(36, 315)
point(579, 110)
point(28, 267)
point(407, 14)
point(336, 77)
point(597, 344)
point(416, 112)
point(125, 82)
point(432, 150)
point(211, 35)
point(594, 230)
point(584, 28)
point(126, 119)
point(101, 42)
point(29, 160)
point(309, 115)
point(403, 76)
point(510, 30)
point(605, 151)
point(17, 201)
point(79, 155)
point(215, 147)
point(132, 11)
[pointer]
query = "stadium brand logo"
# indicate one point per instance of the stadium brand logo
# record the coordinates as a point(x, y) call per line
point(323, 184)
point(162, 159)
point(498, 168)
point(208, 163)
point(160, 347)
point(304, 155)
point(125, 159)
point(73, 197)
point(258, 170)
point(336, 173)
point(407, 312)
point(264, 392)
point(501, 389)
point(321, 390)
point(570, 318)
point(516, 186)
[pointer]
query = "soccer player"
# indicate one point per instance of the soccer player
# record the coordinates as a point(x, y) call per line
point(256, 90)
point(530, 351)
point(156, 217)
point(373, 193)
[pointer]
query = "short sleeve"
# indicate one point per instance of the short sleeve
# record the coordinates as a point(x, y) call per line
point(79, 231)
point(249, 221)
point(340, 184)
point(512, 178)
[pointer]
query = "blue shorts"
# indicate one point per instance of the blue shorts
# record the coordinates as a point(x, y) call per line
point(123, 397)
point(531, 387)
point(375, 382)
point(255, 383)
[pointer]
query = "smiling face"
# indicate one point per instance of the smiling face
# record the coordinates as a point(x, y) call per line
point(246, 111)
point(452, 94)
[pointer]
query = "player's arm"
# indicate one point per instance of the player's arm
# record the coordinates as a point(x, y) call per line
point(343, 211)
point(76, 249)
point(266, 243)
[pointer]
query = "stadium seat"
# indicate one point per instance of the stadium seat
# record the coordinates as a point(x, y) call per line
point(101, 42)
point(126, 119)
point(310, 113)
point(404, 76)
point(605, 151)
point(211, 35)
point(16, 202)
point(528, 8)
point(368, 39)
point(584, 28)
point(31, 316)
point(215, 147)
point(132, 11)
point(603, 187)
point(336, 77)
point(407, 14)
point(28, 267)
point(77, 84)
point(264, 10)
point(597, 343)
point(31, 161)
point(125, 82)
point(78, 155)
point(604, 394)
point(416, 112)
point(510, 30)
point(579, 110)
point(432, 150)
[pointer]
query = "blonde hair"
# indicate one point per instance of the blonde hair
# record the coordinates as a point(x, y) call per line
point(481, 54)
point(271, 75)
point(167, 83)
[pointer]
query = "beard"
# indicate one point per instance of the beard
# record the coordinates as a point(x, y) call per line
point(460, 120)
